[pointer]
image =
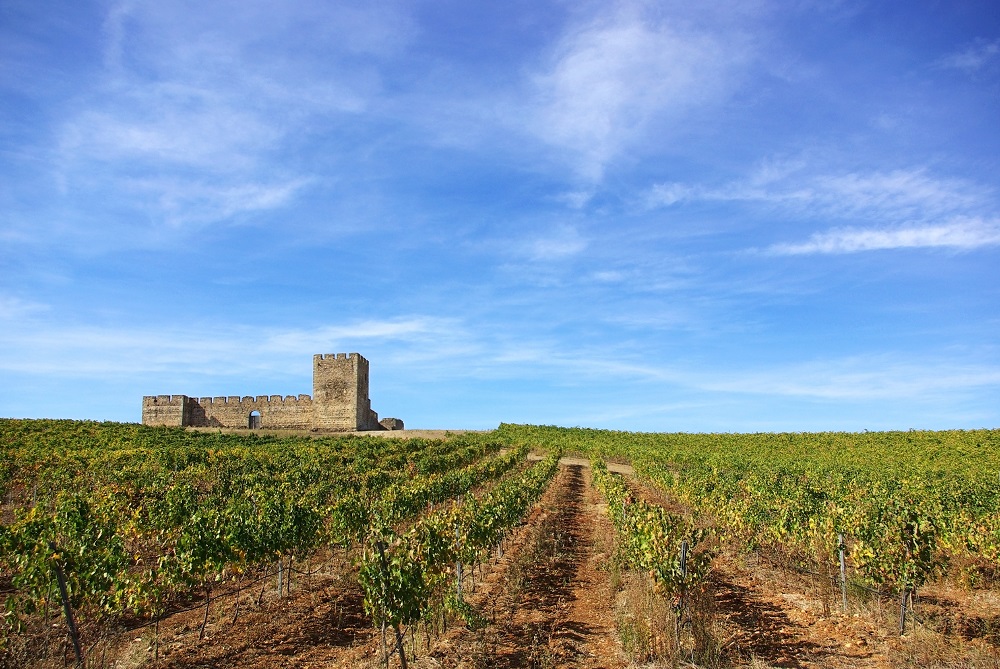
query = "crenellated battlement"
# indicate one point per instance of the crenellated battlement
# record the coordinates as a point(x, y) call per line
point(339, 402)
point(164, 399)
point(337, 356)
point(282, 400)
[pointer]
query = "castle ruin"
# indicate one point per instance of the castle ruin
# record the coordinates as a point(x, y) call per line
point(339, 403)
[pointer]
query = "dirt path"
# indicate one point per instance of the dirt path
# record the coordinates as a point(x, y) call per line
point(549, 602)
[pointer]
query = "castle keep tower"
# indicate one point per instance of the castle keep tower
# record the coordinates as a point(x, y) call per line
point(340, 393)
point(339, 403)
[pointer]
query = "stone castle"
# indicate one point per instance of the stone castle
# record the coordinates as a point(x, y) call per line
point(339, 403)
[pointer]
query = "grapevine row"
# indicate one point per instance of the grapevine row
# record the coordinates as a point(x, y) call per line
point(404, 576)
point(650, 538)
point(127, 544)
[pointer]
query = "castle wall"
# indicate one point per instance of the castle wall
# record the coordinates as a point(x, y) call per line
point(340, 402)
point(276, 412)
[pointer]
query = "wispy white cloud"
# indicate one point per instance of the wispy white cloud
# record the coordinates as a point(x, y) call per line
point(609, 276)
point(963, 234)
point(972, 58)
point(177, 127)
point(320, 339)
point(904, 208)
point(180, 202)
point(14, 308)
point(198, 117)
point(40, 346)
point(609, 76)
point(896, 195)
point(670, 193)
point(859, 379)
point(561, 242)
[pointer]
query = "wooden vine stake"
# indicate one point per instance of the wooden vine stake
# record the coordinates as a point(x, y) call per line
point(239, 590)
point(679, 622)
point(458, 561)
point(260, 597)
point(67, 608)
point(458, 566)
point(843, 571)
point(902, 610)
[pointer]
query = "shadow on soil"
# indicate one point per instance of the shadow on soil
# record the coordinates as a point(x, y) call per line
point(262, 637)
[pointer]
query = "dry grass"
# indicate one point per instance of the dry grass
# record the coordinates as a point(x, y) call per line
point(655, 633)
point(926, 649)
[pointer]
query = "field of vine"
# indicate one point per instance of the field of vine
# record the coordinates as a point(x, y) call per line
point(906, 506)
point(124, 545)
point(105, 521)
point(879, 515)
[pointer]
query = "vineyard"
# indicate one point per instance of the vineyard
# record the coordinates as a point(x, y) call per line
point(126, 546)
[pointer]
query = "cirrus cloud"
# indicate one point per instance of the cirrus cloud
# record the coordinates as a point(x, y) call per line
point(960, 234)
point(609, 77)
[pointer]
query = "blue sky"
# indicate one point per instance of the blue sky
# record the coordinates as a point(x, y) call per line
point(669, 216)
